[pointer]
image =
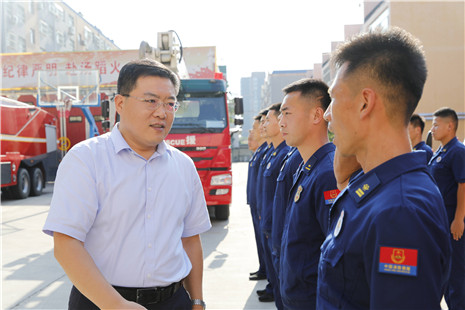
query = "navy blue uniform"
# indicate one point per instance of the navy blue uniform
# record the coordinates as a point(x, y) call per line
point(254, 164)
point(281, 197)
point(259, 196)
point(422, 146)
point(448, 169)
point(305, 227)
point(270, 176)
point(388, 245)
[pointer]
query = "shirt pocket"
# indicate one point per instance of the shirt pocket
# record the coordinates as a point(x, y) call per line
point(331, 272)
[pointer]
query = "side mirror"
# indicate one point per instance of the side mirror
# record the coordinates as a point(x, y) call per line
point(238, 106)
point(238, 121)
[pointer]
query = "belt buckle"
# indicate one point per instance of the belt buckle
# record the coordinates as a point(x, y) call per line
point(147, 296)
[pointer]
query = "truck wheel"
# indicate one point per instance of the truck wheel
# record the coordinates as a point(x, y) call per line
point(222, 212)
point(23, 187)
point(37, 182)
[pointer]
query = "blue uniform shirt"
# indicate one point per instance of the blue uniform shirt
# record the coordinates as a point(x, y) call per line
point(422, 146)
point(388, 246)
point(270, 176)
point(254, 162)
point(448, 169)
point(259, 183)
point(305, 228)
point(253, 173)
point(283, 186)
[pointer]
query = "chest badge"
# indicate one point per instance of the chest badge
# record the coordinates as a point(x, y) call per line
point(438, 159)
point(268, 166)
point(338, 227)
point(297, 194)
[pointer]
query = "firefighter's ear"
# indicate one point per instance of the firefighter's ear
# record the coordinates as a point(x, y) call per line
point(119, 100)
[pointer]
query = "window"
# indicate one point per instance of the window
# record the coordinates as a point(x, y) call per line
point(21, 15)
point(21, 45)
point(60, 39)
point(32, 36)
point(11, 42)
point(44, 28)
point(381, 22)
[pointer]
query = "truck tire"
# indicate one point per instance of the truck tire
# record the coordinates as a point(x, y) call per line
point(37, 182)
point(222, 212)
point(22, 189)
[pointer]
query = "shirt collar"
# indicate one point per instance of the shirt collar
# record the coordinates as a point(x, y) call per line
point(364, 184)
point(420, 144)
point(320, 153)
point(119, 143)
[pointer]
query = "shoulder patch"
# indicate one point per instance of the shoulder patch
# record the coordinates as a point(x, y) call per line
point(399, 261)
point(331, 195)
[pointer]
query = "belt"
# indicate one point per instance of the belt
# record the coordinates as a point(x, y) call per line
point(148, 295)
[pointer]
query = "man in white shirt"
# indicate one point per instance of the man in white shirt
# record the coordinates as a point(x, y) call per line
point(127, 208)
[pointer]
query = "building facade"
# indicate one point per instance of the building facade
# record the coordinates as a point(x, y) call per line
point(439, 25)
point(47, 26)
point(251, 90)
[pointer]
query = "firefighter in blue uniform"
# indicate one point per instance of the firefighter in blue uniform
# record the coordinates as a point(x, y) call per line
point(312, 193)
point(448, 169)
point(388, 245)
point(291, 163)
point(255, 138)
point(265, 295)
point(270, 176)
point(415, 132)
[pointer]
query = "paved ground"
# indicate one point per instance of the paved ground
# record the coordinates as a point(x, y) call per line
point(32, 279)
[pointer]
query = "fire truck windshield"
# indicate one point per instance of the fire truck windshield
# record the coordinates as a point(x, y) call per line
point(200, 115)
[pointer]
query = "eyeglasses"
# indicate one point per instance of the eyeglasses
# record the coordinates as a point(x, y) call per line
point(153, 103)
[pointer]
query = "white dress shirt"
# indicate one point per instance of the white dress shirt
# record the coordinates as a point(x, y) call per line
point(131, 213)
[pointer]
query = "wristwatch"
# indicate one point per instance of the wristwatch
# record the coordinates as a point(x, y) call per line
point(199, 302)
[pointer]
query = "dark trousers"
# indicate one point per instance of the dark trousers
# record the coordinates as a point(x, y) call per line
point(455, 290)
point(258, 239)
point(271, 274)
point(179, 301)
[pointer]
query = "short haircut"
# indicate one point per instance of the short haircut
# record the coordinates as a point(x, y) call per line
point(275, 108)
point(394, 59)
point(133, 70)
point(418, 121)
point(257, 117)
point(448, 113)
point(263, 112)
point(312, 89)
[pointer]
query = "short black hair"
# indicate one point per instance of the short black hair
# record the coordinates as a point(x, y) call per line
point(395, 59)
point(448, 113)
point(276, 108)
point(263, 112)
point(257, 117)
point(418, 121)
point(311, 88)
point(133, 70)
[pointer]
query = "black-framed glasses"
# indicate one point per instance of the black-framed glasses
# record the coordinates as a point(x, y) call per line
point(153, 103)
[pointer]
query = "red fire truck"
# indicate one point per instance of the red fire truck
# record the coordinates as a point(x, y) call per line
point(29, 155)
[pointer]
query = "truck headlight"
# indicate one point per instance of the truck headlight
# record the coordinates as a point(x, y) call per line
point(222, 179)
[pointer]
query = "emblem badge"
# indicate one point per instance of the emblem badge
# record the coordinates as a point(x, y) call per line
point(338, 227)
point(297, 195)
point(438, 159)
point(268, 166)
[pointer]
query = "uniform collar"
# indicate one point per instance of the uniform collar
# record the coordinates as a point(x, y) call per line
point(364, 184)
point(119, 143)
point(279, 148)
point(419, 145)
point(320, 153)
point(449, 144)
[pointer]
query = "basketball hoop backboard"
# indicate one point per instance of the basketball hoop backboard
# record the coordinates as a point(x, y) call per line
point(60, 88)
